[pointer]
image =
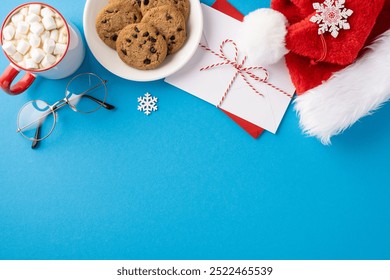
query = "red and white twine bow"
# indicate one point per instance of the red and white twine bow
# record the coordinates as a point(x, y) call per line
point(240, 70)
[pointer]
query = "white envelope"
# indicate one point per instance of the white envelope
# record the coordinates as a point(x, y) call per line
point(265, 111)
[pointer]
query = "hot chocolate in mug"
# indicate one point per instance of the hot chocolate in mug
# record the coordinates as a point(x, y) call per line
point(37, 39)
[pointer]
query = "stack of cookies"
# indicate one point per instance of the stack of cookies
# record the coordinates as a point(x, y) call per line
point(144, 32)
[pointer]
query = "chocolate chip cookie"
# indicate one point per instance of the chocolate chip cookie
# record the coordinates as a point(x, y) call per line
point(135, 3)
point(182, 5)
point(141, 46)
point(171, 23)
point(113, 18)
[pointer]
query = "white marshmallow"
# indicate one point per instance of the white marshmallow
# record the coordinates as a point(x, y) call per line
point(22, 28)
point(8, 32)
point(23, 47)
point(49, 23)
point(10, 23)
point(32, 18)
point(48, 60)
point(17, 18)
point(9, 48)
point(63, 38)
point(22, 64)
point(17, 57)
point(34, 40)
point(63, 30)
point(60, 49)
point(54, 35)
point(60, 23)
point(36, 28)
point(34, 9)
point(37, 55)
point(30, 64)
point(49, 45)
point(46, 12)
point(24, 11)
point(45, 35)
point(20, 36)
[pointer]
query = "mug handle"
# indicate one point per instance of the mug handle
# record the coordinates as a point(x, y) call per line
point(9, 76)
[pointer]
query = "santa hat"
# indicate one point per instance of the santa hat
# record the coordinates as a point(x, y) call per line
point(337, 53)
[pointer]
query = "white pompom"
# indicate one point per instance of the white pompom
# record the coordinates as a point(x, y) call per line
point(263, 36)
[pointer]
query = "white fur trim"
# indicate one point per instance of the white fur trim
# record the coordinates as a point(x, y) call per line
point(263, 36)
point(348, 95)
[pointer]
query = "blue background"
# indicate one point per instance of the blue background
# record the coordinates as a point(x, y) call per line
point(186, 182)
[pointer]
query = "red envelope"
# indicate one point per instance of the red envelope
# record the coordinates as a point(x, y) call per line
point(225, 7)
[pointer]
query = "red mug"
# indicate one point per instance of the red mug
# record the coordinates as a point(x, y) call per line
point(68, 63)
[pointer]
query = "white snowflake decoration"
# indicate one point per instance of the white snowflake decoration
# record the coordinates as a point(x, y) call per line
point(331, 16)
point(147, 104)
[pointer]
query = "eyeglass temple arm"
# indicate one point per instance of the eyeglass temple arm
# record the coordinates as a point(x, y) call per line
point(35, 142)
point(103, 104)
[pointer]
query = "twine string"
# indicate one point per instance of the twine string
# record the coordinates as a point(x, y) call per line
point(244, 72)
point(324, 51)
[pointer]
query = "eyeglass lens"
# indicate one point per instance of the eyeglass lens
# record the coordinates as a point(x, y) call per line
point(85, 93)
point(36, 120)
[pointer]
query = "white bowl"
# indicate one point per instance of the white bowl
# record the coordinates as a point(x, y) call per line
point(111, 61)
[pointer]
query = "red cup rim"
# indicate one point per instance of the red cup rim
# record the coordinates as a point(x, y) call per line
point(6, 21)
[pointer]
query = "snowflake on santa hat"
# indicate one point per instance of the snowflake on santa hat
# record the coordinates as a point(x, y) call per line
point(331, 16)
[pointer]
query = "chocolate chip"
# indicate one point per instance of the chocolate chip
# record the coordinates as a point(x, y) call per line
point(104, 21)
point(128, 40)
point(114, 37)
point(147, 61)
point(157, 33)
point(170, 46)
point(146, 34)
point(153, 50)
point(136, 29)
point(164, 37)
point(146, 2)
point(172, 38)
point(152, 39)
point(144, 42)
point(179, 29)
point(135, 18)
point(168, 16)
point(124, 51)
point(139, 2)
point(135, 36)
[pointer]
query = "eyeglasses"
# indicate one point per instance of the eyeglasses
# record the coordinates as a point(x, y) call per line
point(85, 93)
